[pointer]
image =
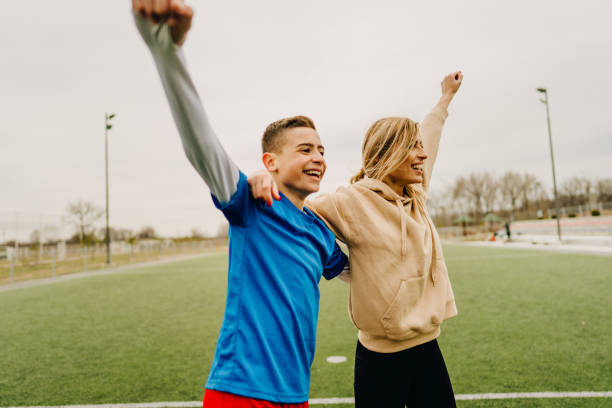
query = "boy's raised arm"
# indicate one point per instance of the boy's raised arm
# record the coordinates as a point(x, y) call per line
point(163, 25)
point(431, 126)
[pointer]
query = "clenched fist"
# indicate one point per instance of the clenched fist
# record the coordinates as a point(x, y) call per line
point(451, 83)
point(175, 13)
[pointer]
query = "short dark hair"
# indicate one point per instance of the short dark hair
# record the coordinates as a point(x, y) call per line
point(272, 140)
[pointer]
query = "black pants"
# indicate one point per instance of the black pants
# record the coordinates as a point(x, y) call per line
point(416, 377)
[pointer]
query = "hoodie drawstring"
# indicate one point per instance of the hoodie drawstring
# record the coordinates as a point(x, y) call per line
point(400, 207)
point(401, 202)
point(434, 254)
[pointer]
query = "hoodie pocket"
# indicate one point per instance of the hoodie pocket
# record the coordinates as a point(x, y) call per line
point(408, 315)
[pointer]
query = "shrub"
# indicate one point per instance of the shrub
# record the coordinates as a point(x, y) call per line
point(595, 213)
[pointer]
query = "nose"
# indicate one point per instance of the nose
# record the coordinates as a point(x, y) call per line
point(318, 157)
point(422, 155)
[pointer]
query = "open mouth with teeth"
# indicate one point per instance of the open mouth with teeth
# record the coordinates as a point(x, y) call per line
point(317, 174)
point(417, 167)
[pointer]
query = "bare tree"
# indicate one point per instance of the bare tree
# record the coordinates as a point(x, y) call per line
point(490, 191)
point(461, 200)
point(196, 233)
point(529, 185)
point(84, 214)
point(603, 189)
point(510, 186)
point(116, 234)
point(537, 193)
point(147, 232)
point(437, 206)
point(588, 188)
point(540, 197)
point(478, 190)
point(35, 236)
point(122, 234)
point(576, 191)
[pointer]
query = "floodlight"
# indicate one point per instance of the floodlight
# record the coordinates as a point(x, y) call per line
point(552, 160)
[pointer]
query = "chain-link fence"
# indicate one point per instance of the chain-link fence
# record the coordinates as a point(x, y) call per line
point(46, 245)
point(449, 219)
point(36, 261)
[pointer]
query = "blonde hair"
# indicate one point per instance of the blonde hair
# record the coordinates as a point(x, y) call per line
point(386, 146)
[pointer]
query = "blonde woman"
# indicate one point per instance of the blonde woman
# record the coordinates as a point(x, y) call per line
point(400, 291)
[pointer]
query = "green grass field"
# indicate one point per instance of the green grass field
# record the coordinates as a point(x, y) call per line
point(528, 321)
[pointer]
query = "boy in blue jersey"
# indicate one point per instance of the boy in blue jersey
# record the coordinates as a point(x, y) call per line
point(276, 255)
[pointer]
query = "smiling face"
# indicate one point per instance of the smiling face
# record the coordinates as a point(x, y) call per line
point(411, 170)
point(298, 167)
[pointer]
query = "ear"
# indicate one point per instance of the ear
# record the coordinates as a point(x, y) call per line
point(269, 161)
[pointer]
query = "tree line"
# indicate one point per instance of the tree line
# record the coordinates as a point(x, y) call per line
point(512, 195)
point(473, 199)
point(85, 216)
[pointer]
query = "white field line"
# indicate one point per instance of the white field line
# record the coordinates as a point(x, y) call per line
point(332, 401)
point(583, 394)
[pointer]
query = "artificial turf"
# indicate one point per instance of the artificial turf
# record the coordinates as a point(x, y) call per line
point(528, 321)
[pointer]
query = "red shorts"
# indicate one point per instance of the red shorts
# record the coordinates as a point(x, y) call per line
point(220, 399)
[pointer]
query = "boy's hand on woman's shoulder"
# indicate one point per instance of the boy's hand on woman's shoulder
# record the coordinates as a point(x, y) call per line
point(175, 13)
point(263, 186)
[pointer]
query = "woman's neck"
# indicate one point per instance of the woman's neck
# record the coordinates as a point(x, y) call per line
point(397, 187)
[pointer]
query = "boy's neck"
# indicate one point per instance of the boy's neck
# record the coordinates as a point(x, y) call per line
point(295, 198)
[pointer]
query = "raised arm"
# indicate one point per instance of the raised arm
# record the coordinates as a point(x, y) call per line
point(163, 25)
point(431, 126)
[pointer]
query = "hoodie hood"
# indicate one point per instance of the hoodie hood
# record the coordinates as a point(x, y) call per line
point(383, 189)
point(389, 194)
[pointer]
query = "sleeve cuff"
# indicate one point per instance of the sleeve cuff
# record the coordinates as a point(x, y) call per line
point(439, 112)
point(336, 269)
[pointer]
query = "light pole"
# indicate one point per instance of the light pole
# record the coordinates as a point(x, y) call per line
point(107, 126)
point(552, 159)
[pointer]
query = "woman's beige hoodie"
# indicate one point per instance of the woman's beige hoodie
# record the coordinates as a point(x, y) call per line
point(400, 292)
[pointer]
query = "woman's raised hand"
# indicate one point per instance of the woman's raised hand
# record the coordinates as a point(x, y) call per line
point(451, 83)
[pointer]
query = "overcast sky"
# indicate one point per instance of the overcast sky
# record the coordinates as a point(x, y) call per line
point(344, 63)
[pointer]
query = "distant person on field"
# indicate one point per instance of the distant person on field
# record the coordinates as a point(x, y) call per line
point(276, 255)
point(400, 292)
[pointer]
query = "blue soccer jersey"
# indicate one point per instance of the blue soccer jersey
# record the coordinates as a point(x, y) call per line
point(277, 255)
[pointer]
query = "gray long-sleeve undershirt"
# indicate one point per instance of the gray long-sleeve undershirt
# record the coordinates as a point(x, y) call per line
point(200, 142)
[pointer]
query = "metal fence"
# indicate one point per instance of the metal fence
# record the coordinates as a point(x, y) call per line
point(448, 219)
point(26, 262)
